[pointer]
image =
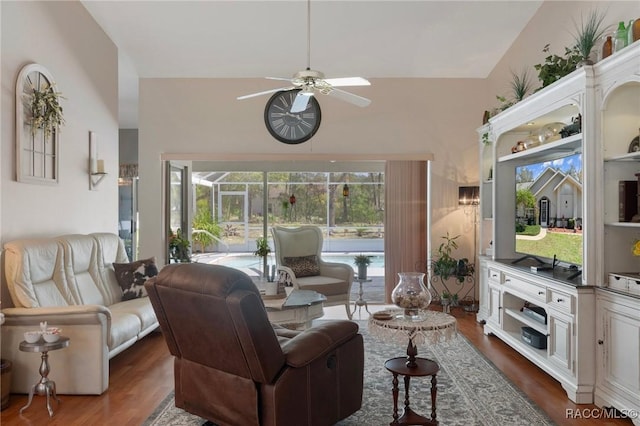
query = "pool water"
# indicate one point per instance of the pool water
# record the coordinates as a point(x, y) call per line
point(239, 261)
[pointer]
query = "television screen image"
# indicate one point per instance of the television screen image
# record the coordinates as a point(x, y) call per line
point(549, 209)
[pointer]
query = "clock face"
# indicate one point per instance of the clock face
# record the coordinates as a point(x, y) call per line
point(288, 127)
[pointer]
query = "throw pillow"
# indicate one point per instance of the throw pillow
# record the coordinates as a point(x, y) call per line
point(303, 266)
point(132, 276)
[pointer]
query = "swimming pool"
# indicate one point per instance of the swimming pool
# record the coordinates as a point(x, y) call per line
point(250, 261)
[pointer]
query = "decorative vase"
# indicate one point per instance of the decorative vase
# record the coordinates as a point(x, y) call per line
point(362, 272)
point(411, 294)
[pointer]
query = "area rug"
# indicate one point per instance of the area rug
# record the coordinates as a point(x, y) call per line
point(471, 390)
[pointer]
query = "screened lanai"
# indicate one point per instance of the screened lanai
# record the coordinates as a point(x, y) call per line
point(346, 200)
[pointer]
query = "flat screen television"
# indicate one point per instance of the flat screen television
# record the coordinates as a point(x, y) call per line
point(549, 210)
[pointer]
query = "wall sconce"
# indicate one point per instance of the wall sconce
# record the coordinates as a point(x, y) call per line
point(96, 165)
point(345, 190)
point(468, 195)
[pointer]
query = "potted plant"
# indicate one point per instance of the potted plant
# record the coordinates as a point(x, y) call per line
point(362, 261)
point(446, 266)
point(587, 35)
point(263, 250)
point(454, 299)
point(179, 247)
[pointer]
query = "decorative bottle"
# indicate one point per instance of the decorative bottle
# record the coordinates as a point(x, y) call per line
point(411, 294)
point(607, 47)
point(621, 38)
point(634, 30)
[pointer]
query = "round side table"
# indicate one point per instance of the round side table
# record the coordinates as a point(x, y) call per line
point(423, 367)
point(44, 386)
point(431, 327)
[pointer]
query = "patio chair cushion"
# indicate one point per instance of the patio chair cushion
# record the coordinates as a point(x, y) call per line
point(303, 266)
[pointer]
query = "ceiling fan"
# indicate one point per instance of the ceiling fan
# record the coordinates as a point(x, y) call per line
point(309, 81)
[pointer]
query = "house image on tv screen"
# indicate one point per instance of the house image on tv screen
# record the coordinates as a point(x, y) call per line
point(549, 193)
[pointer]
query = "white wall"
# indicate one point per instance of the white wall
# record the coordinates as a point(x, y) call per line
point(197, 117)
point(64, 38)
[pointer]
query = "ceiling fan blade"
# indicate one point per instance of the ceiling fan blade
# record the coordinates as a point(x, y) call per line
point(301, 101)
point(349, 97)
point(278, 78)
point(347, 81)
point(266, 92)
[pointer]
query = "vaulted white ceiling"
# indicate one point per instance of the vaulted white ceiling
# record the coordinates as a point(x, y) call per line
point(254, 39)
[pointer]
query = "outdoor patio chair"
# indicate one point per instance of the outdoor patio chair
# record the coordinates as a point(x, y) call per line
point(298, 253)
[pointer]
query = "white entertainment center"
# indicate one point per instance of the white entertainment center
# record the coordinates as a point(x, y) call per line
point(588, 333)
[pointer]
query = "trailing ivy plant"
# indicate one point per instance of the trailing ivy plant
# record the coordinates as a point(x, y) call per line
point(555, 67)
point(46, 112)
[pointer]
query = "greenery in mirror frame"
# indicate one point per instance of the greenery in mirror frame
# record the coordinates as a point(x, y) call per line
point(45, 109)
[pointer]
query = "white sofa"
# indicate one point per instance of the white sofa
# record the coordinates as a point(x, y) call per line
point(69, 281)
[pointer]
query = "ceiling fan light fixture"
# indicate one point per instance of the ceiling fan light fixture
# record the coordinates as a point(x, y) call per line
point(306, 91)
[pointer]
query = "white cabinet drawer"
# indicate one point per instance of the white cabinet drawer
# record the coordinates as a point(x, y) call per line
point(628, 282)
point(634, 285)
point(561, 301)
point(618, 282)
point(496, 276)
point(537, 293)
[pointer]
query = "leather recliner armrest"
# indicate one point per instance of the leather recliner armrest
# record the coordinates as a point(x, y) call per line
point(317, 341)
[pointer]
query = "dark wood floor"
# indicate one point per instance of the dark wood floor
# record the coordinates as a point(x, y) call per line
point(142, 377)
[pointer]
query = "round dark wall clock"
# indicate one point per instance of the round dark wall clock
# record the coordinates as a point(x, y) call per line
point(286, 126)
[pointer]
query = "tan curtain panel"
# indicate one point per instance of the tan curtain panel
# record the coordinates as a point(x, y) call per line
point(405, 243)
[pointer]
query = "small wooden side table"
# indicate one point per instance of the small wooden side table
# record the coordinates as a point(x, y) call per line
point(423, 367)
point(44, 386)
point(430, 327)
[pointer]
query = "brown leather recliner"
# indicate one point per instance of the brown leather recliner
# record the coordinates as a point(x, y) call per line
point(233, 367)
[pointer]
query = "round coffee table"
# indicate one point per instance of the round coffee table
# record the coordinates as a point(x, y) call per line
point(297, 310)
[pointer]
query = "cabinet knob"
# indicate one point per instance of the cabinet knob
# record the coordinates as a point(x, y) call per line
point(600, 342)
point(559, 300)
point(540, 293)
point(507, 280)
